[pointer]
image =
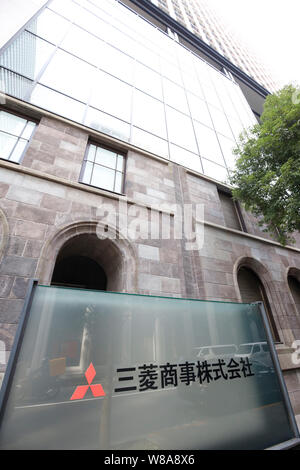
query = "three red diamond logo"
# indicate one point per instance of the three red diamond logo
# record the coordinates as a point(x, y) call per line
point(97, 389)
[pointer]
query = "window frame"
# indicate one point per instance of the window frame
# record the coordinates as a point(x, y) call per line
point(111, 149)
point(236, 207)
point(28, 119)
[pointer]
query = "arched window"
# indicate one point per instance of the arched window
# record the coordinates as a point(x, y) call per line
point(252, 290)
point(294, 286)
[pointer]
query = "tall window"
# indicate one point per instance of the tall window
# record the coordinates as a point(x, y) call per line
point(231, 211)
point(15, 133)
point(103, 168)
point(294, 286)
point(252, 290)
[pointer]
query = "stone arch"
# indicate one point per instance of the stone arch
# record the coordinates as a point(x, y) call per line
point(265, 280)
point(117, 255)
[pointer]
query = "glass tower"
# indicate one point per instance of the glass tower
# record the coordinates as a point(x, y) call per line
point(102, 65)
point(200, 19)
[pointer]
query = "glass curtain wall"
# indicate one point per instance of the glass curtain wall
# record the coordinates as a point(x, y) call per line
point(100, 64)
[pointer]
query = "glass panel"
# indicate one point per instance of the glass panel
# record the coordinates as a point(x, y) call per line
point(199, 110)
point(216, 172)
point(57, 103)
point(175, 96)
point(107, 124)
point(87, 174)
point(227, 146)
point(27, 133)
point(115, 62)
point(149, 114)
point(208, 143)
point(66, 8)
point(184, 158)
point(118, 182)
point(11, 123)
point(83, 45)
point(13, 84)
point(171, 71)
point(192, 83)
point(211, 95)
point(112, 96)
point(180, 130)
point(202, 70)
point(7, 143)
point(149, 81)
point(176, 376)
point(220, 122)
point(103, 177)
point(120, 163)
point(26, 55)
point(69, 75)
point(150, 142)
point(106, 157)
point(18, 150)
point(91, 153)
point(147, 57)
point(50, 26)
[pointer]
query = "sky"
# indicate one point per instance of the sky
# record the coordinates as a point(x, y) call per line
point(271, 28)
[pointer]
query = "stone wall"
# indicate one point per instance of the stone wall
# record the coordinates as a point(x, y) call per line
point(41, 201)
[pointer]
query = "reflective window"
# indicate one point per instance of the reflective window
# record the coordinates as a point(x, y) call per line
point(48, 25)
point(100, 64)
point(57, 103)
point(211, 95)
point(14, 84)
point(192, 83)
point(199, 110)
point(69, 75)
point(107, 124)
point(83, 45)
point(150, 142)
point(27, 55)
point(175, 96)
point(227, 146)
point(15, 133)
point(149, 114)
point(215, 171)
point(180, 130)
point(220, 121)
point(148, 81)
point(185, 158)
point(103, 168)
point(171, 71)
point(208, 143)
point(113, 61)
point(112, 96)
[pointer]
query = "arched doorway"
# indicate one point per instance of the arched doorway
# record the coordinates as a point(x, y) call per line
point(79, 271)
point(116, 257)
point(88, 262)
point(252, 290)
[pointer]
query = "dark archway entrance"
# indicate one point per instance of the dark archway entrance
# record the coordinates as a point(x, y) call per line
point(79, 271)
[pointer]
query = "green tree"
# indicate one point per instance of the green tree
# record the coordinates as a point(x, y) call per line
point(267, 175)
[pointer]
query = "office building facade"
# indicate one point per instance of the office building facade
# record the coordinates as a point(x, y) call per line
point(102, 111)
point(199, 18)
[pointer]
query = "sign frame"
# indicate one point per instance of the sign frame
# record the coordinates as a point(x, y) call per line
point(17, 344)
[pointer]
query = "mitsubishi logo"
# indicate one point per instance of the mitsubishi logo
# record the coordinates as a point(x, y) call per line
point(97, 389)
